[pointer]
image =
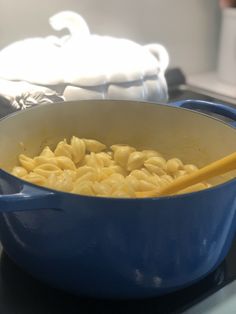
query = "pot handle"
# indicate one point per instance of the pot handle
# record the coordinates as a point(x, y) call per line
point(17, 195)
point(207, 106)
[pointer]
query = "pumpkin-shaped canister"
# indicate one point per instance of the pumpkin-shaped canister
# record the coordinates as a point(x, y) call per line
point(87, 66)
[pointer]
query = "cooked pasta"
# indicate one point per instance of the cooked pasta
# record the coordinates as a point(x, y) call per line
point(88, 167)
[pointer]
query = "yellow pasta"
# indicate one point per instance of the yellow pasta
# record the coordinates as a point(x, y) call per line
point(173, 165)
point(88, 167)
point(19, 171)
point(151, 153)
point(83, 169)
point(102, 188)
point(84, 188)
point(63, 149)
point(135, 161)
point(133, 182)
point(156, 165)
point(91, 176)
point(93, 161)
point(71, 173)
point(118, 169)
point(65, 163)
point(115, 180)
point(47, 152)
point(78, 149)
point(190, 168)
point(35, 178)
point(26, 162)
point(47, 169)
point(105, 159)
point(167, 178)
point(139, 174)
point(180, 173)
point(40, 160)
point(62, 182)
point(146, 186)
point(94, 146)
point(121, 154)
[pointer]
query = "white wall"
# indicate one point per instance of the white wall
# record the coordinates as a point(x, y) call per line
point(188, 28)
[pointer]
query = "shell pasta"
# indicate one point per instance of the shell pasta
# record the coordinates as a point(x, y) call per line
point(88, 167)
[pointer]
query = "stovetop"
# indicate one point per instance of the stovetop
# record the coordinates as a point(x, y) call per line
point(22, 294)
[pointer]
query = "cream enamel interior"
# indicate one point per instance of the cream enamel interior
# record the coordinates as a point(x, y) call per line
point(190, 136)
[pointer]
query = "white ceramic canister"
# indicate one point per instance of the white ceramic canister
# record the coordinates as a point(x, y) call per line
point(87, 66)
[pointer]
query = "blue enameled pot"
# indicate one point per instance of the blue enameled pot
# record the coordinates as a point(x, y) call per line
point(118, 248)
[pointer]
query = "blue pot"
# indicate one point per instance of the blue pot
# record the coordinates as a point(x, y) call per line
point(118, 248)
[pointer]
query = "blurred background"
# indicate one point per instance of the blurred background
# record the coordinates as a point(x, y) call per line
point(200, 37)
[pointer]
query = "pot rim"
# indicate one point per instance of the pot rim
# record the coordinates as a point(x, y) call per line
point(65, 103)
point(120, 199)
